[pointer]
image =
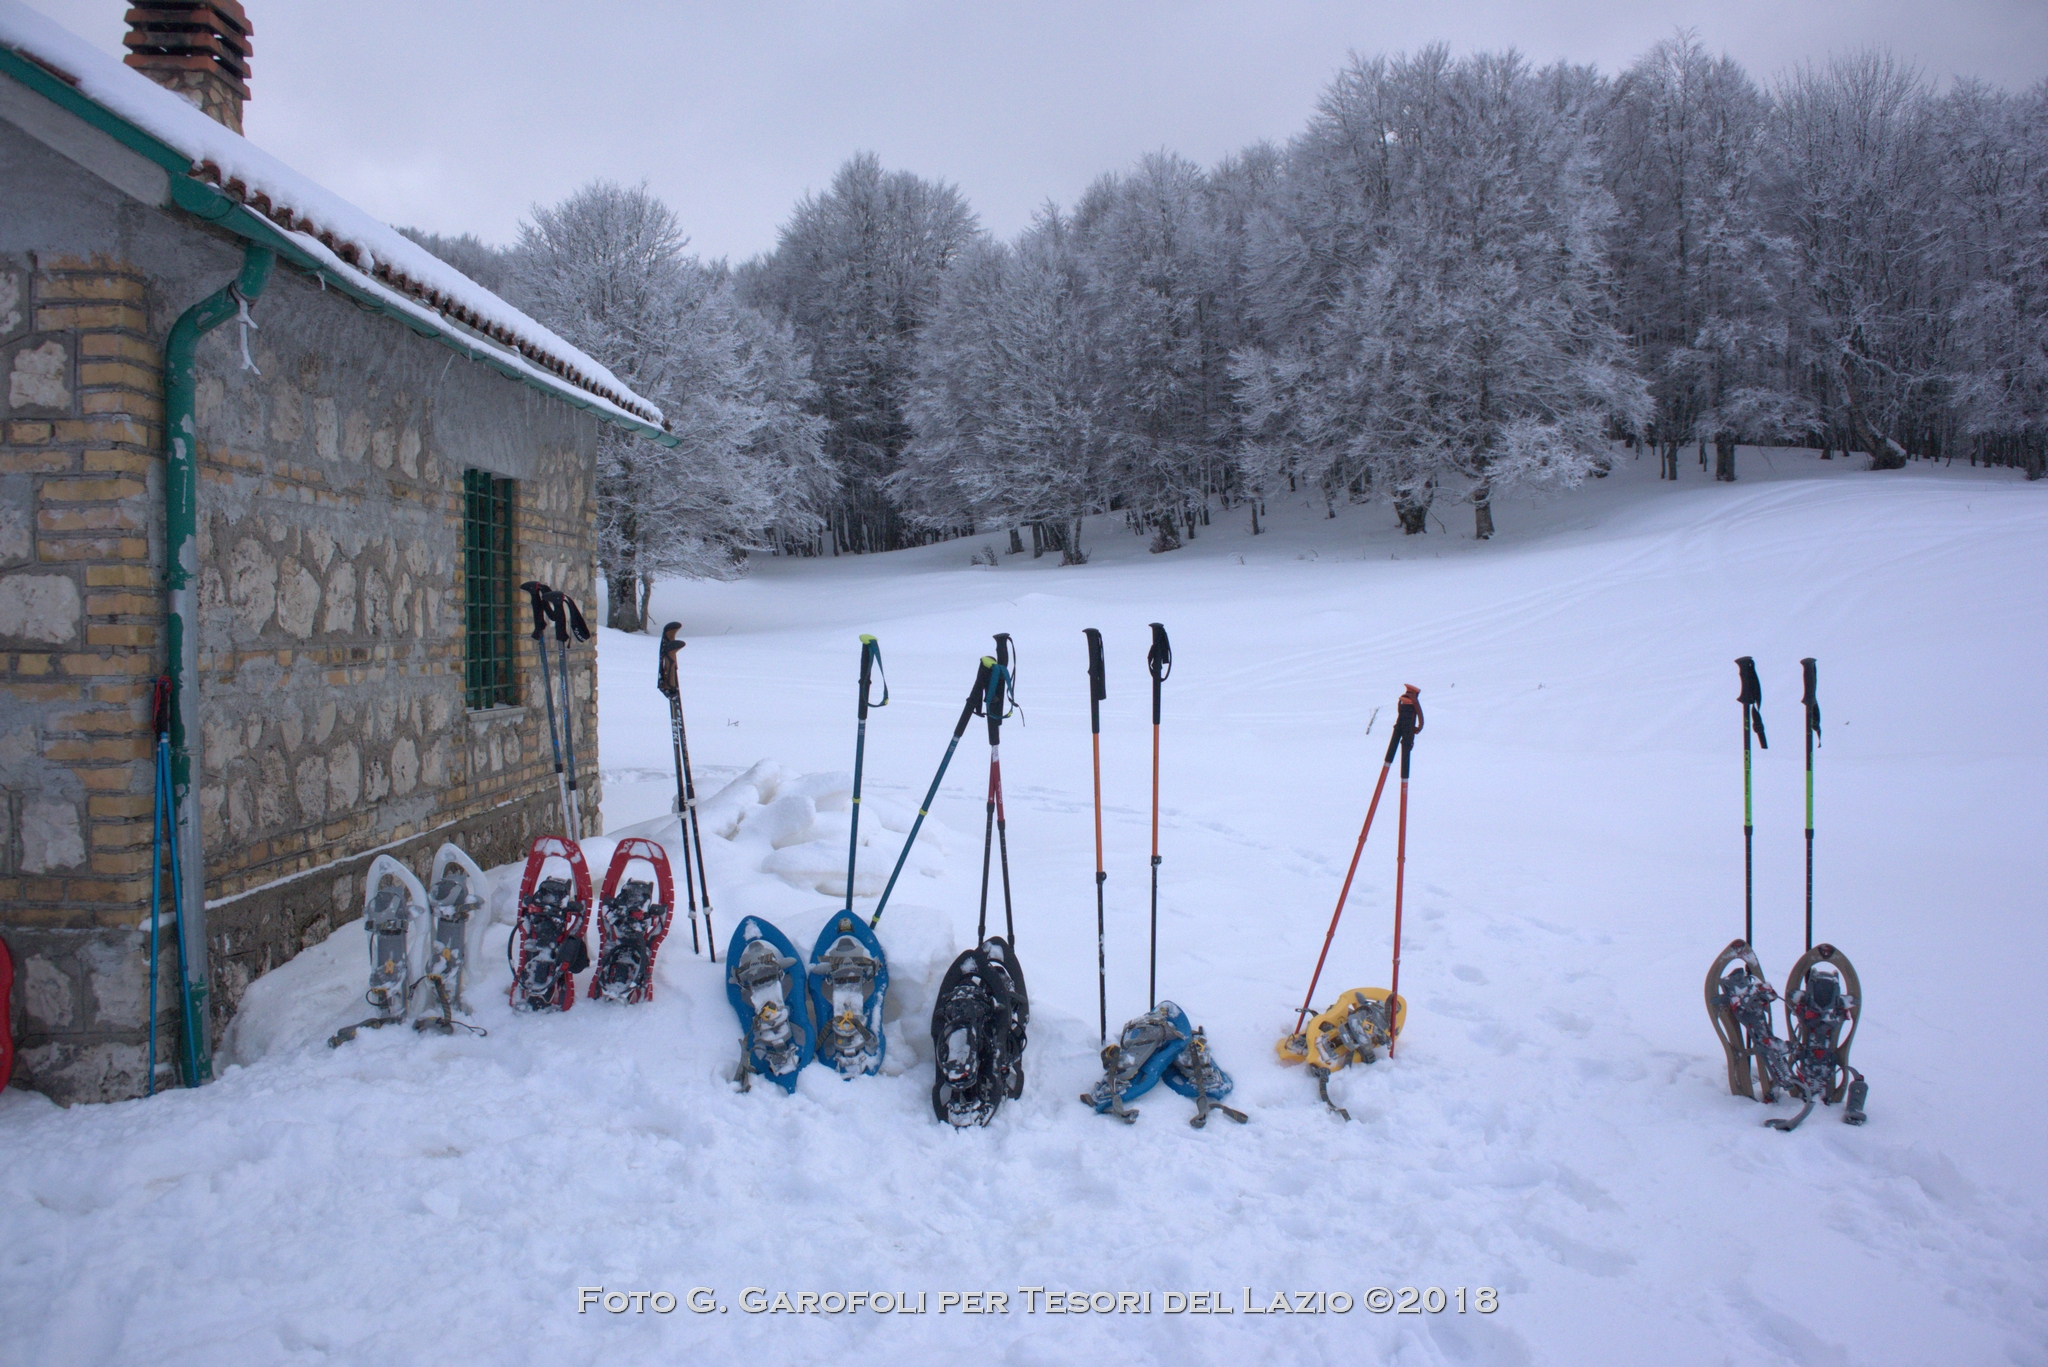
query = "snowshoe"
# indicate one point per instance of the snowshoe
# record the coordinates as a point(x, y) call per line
point(978, 1034)
point(392, 901)
point(1134, 1064)
point(1194, 1073)
point(547, 947)
point(1823, 1002)
point(1350, 1030)
point(766, 984)
point(455, 903)
point(849, 979)
point(633, 917)
point(1739, 1000)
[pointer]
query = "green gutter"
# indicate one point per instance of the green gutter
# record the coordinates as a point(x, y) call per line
point(181, 566)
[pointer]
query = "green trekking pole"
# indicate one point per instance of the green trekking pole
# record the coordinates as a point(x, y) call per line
point(870, 659)
point(1752, 700)
point(1811, 670)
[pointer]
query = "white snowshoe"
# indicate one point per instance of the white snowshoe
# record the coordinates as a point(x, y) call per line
point(393, 901)
point(455, 903)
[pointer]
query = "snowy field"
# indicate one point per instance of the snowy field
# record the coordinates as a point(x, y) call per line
point(1556, 1125)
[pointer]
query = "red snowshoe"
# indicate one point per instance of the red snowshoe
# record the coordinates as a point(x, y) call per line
point(632, 920)
point(547, 949)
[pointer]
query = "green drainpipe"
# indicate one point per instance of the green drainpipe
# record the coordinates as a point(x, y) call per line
point(181, 568)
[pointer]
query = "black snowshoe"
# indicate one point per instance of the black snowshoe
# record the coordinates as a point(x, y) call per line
point(978, 1034)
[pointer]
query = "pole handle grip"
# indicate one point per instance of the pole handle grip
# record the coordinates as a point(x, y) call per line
point(1098, 686)
point(1809, 670)
point(870, 660)
point(665, 672)
point(1752, 699)
point(537, 595)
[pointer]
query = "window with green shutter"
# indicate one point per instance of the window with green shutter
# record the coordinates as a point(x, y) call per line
point(488, 633)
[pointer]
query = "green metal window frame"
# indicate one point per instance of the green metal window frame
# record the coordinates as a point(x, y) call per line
point(488, 636)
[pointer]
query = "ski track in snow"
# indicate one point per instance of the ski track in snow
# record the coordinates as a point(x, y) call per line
point(1555, 1124)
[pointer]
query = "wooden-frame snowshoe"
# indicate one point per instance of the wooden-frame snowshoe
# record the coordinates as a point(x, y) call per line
point(1736, 991)
point(978, 1034)
point(633, 916)
point(547, 947)
point(1823, 1004)
point(1352, 1029)
point(393, 903)
point(1195, 1074)
point(770, 993)
point(1140, 1056)
point(849, 975)
point(455, 904)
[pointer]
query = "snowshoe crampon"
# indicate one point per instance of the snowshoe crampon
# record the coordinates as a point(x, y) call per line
point(978, 1034)
point(1195, 1074)
point(849, 978)
point(1352, 1029)
point(393, 901)
point(1132, 1066)
point(455, 903)
point(766, 983)
point(547, 947)
point(633, 916)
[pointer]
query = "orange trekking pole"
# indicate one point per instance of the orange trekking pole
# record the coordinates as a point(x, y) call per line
point(1409, 715)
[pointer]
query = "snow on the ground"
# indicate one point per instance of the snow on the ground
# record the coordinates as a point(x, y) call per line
point(1556, 1124)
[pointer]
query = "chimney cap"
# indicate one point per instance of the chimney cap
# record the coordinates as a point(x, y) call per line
point(171, 36)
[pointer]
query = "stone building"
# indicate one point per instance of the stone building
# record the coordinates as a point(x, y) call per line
point(256, 440)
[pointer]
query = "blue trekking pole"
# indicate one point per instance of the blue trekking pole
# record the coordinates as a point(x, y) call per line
point(870, 659)
point(967, 710)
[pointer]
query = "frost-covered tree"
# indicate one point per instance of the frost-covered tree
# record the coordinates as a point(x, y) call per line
point(609, 270)
point(1441, 299)
point(856, 271)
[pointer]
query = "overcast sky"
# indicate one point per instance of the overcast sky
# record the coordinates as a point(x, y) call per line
point(456, 115)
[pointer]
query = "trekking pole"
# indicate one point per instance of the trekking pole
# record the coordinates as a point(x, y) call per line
point(696, 821)
point(665, 680)
point(569, 622)
point(967, 710)
point(1001, 689)
point(1752, 700)
point(1811, 670)
point(870, 658)
point(1159, 660)
point(1097, 691)
point(166, 804)
point(1407, 724)
point(161, 719)
point(539, 594)
point(1393, 744)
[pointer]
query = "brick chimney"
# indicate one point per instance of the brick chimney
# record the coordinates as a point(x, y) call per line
point(196, 48)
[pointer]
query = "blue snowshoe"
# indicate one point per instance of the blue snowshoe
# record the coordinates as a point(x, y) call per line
point(1195, 1074)
point(765, 982)
point(849, 983)
point(1134, 1064)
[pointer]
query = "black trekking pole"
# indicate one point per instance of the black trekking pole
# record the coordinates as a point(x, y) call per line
point(1159, 660)
point(1097, 691)
point(690, 804)
point(975, 695)
point(1002, 693)
point(569, 622)
point(870, 659)
point(1407, 725)
point(1752, 700)
point(540, 596)
point(665, 680)
point(1811, 670)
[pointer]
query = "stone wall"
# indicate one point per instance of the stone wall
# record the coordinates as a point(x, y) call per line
point(330, 607)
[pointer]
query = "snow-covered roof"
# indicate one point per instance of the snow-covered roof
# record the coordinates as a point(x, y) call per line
point(345, 239)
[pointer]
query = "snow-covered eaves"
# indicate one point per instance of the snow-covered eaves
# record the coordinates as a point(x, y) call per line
point(218, 175)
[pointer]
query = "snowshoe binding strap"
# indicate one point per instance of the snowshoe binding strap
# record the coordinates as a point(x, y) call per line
point(1134, 1063)
point(1196, 1073)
